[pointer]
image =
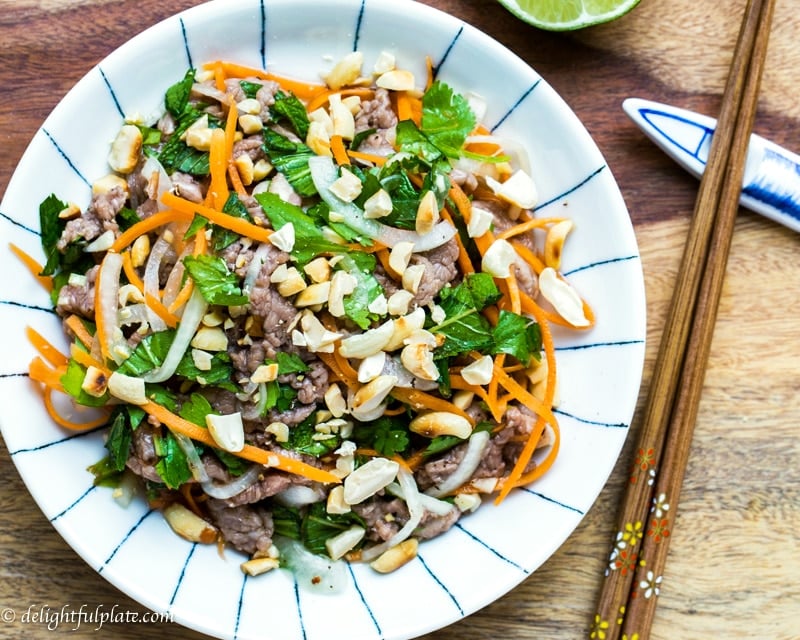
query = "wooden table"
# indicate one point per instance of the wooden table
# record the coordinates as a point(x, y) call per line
point(735, 556)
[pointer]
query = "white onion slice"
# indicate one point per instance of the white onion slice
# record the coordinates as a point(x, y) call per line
point(429, 503)
point(413, 499)
point(254, 267)
point(151, 280)
point(405, 379)
point(298, 495)
point(193, 460)
point(234, 487)
point(462, 474)
point(175, 279)
point(192, 316)
point(324, 174)
point(153, 166)
point(108, 307)
point(315, 573)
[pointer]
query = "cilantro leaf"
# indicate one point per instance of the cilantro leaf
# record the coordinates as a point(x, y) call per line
point(234, 207)
point(464, 328)
point(250, 89)
point(195, 409)
point(387, 435)
point(286, 521)
point(411, 140)
point(73, 381)
point(217, 285)
point(447, 118)
point(356, 305)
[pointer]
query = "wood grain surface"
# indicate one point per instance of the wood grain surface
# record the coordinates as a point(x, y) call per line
point(735, 555)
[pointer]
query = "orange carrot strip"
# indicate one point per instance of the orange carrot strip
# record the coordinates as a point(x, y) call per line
point(494, 383)
point(219, 76)
point(421, 400)
point(70, 424)
point(429, 72)
point(183, 296)
point(330, 361)
point(101, 331)
point(338, 150)
point(545, 464)
point(303, 90)
point(321, 99)
point(75, 324)
point(377, 160)
point(528, 256)
point(236, 180)
point(544, 416)
point(231, 122)
point(496, 409)
point(33, 266)
point(149, 224)
point(161, 310)
point(86, 359)
point(404, 108)
point(249, 452)
point(46, 348)
point(238, 225)
point(48, 376)
point(383, 256)
point(513, 292)
point(527, 225)
point(130, 271)
point(464, 206)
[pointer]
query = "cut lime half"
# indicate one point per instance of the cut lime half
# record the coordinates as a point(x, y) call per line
point(568, 15)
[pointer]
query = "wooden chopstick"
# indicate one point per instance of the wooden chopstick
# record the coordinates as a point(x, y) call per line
point(629, 592)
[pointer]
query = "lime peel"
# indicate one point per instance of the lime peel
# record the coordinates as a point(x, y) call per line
point(568, 15)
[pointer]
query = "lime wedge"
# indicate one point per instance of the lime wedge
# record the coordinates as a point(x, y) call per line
point(568, 15)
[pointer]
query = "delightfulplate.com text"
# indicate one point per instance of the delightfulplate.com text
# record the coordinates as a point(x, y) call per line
point(73, 618)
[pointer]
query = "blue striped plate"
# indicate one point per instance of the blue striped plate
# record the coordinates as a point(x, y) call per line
point(488, 553)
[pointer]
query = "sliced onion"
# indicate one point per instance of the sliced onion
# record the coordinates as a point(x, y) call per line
point(315, 573)
point(429, 503)
point(151, 280)
point(192, 316)
point(108, 306)
point(153, 166)
point(254, 267)
point(210, 91)
point(324, 174)
point(175, 279)
point(462, 474)
point(193, 460)
point(299, 495)
point(413, 499)
point(133, 314)
point(234, 487)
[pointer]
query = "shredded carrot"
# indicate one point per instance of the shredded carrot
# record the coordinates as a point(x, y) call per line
point(494, 383)
point(219, 76)
point(541, 408)
point(86, 359)
point(338, 150)
point(249, 452)
point(372, 453)
point(383, 256)
point(396, 411)
point(218, 164)
point(545, 464)
point(48, 376)
point(533, 261)
point(45, 348)
point(65, 422)
point(236, 180)
point(458, 382)
point(463, 257)
point(303, 90)
point(183, 296)
point(404, 109)
point(238, 225)
point(33, 266)
point(130, 271)
point(321, 99)
point(420, 400)
point(75, 324)
point(377, 160)
point(149, 224)
point(160, 310)
point(191, 503)
point(513, 292)
point(330, 362)
point(230, 128)
point(527, 225)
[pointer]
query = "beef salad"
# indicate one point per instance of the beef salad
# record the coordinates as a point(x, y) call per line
point(310, 314)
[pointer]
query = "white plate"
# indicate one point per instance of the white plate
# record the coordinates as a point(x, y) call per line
point(487, 553)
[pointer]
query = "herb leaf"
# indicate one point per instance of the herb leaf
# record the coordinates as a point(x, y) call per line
point(517, 336)
point(447, 118)
point(217, 285)
point(291, 159)
point(177, 96)
point(288, 107)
